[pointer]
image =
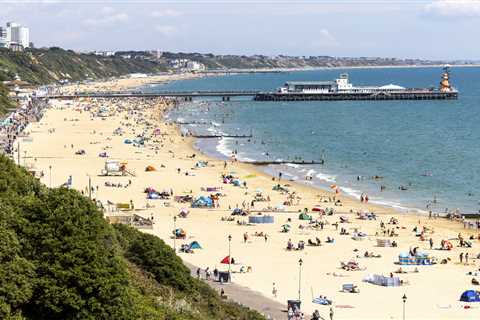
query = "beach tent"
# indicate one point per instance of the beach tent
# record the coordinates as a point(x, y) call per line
point(195, 245)
point(127, 141)
point(201, 164)
point(380, 280)
point(226, 260)
point(322, 301)
point(304, 216)
point(202, 201)
point(419, 259)
point(150, 168)
point(261, 219)
point(470, 296)
point(179, 233)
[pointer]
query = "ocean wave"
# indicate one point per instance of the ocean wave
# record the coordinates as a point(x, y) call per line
point(222, 147)
point(292, 165)
point(351, 192)
point(326, 177)
point(310, 173)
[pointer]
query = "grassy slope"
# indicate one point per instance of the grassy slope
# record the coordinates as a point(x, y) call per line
point(59, 259)
point(40, 66)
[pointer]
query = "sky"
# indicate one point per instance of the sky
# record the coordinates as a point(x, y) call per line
point(428, 29)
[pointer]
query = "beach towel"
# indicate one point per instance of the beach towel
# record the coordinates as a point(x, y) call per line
point(322, 301)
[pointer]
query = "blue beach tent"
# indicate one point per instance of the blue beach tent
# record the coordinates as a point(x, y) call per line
point(470, 296)
point(195, 245)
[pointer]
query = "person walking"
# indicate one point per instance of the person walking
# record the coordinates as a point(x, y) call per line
point(461, 257)
point(274, 290)
point(431, 243)
point(331, 313)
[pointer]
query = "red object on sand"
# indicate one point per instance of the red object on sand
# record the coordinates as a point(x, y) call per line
point(226, 260)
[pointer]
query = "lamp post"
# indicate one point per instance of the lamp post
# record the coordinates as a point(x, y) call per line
point(229, 256)
point(50, 176)
point(89, 187)
point(404, 299)
point(174, 234)
point(300, 262)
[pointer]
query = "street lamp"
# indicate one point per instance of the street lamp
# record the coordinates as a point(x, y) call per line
point(50, 175)
point(404, 299)
point(229, 256)
point(174, 233)
point(300, 262)
point(89, 187)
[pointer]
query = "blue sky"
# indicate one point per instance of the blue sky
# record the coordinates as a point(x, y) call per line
point(433, 29)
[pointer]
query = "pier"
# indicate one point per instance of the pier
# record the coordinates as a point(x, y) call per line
point(186, 95)
point(377, 96)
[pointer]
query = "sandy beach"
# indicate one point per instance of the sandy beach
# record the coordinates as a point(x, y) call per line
point(69, 139)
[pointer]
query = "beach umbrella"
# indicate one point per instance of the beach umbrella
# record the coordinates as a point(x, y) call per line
point(225, 260)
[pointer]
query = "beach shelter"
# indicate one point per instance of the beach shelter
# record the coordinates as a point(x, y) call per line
point(150, 168)
point(470, 296)
point(195, 245)
point(304, 216)
point(127, 141)
point(226, 260)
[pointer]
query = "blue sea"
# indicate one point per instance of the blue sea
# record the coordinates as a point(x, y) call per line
point(431, 148)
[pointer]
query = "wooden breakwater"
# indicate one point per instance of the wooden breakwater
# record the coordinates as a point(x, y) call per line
point(271, 162)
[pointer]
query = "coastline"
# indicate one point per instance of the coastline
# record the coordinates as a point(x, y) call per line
point(205, 225)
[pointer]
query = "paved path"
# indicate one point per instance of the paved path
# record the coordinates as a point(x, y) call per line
point(247, 297)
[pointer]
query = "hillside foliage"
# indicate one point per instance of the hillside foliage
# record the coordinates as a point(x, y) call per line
point(59, 259)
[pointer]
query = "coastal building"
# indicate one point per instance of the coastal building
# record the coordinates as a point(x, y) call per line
point(104, 53)
point(3, 38)
point(14, 36)
point(187, 65)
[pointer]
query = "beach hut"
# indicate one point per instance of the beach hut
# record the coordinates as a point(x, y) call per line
point(195, 245)
point(470, 296)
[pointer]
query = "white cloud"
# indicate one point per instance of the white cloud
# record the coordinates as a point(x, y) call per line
point(106, 20)
point(453, 8)
point(166, 13)
point(165, 30)
point(107, 10)
point(324, 39)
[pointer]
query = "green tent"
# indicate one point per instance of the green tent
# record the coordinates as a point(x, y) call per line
point(304, 216)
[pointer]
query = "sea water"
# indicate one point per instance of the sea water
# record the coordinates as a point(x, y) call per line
point(429, 148)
